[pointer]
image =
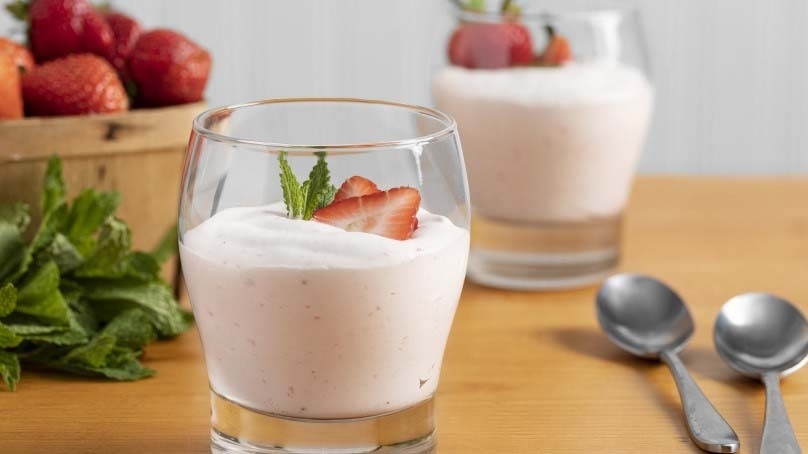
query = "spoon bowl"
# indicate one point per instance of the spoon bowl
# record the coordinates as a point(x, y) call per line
point(642, 315)
point(766, 337)
point(757, 333)
point(645, 317)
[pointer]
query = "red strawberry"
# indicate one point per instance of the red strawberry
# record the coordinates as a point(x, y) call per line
point(76, 84)
point(56, 27)
point(491, 45)
point(18, 53)
point(97, 37)
point(126, 32)
point(460, 49)
point(355, 186)
point(521, 43)
point(10, 95)
point(168, 68)
point(557, 52)
point(390, 213)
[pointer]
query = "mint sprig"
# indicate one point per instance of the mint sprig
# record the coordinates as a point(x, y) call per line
point(76, 298)
point(302, 200)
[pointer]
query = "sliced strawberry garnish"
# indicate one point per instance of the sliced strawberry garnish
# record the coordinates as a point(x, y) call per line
point(389, 214)
point(356, 186)
point(558, 50)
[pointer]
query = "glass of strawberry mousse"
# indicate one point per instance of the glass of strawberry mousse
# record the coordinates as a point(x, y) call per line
point(553, 110)
point(324, 245)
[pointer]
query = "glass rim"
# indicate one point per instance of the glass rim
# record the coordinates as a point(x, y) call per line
point(448, 129)
point(545, 14)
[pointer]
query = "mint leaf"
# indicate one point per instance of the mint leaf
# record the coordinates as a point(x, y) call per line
point(80, 324)
point(108, 259)
point(8, 338)
point(8, 299)
point(53, 194)
point(9, 369)
point(38, 284)
point(87, 213)
point(132, 329)
point(318, 187)
point(92, 354)
point(292, 193)
point(50, 226)
point(122, 364)
point(316, 192)
point(101, 356)
point(39, 296)
point(16, 214)
point(62, 252)
point(109, 299)
point(142, 266)
point(12, 251)
point(167, 247)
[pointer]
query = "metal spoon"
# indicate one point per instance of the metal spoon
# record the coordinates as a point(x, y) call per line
point(765, 337)
point(645, 317)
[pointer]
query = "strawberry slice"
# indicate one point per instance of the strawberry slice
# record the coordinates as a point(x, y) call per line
point(356, 186)
point(558, 49)
point(389, 214)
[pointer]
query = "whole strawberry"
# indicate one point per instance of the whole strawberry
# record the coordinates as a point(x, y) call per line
point(460, 49)
point(73, 85)
point(168, 69)
point(491, 45)
point(97, 37)
point(126, 32)
point(18, 53)
point(63, 27)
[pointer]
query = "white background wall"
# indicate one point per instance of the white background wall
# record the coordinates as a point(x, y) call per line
point(731, 75)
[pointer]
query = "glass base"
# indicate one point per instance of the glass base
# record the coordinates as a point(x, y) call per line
point(240, 430)
point(543, 256)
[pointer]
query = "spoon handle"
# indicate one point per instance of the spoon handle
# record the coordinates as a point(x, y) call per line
point(778, 436)
point(707, 428)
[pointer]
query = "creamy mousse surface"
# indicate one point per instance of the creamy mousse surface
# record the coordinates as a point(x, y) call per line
point(548, 143)
point(303, 319)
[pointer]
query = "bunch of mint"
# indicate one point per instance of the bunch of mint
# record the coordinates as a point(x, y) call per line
point(76, 298)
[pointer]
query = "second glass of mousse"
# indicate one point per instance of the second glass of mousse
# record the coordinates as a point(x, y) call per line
point(553, 111)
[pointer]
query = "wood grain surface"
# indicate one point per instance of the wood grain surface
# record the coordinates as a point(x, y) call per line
point(524, 372)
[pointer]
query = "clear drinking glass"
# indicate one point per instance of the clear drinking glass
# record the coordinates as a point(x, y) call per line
point(550, 148)
point(318, 339)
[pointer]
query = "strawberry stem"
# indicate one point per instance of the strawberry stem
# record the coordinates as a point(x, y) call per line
point(550, 30)
point(506, 6)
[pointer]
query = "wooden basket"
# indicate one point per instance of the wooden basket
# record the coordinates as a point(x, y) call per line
point(138, 153)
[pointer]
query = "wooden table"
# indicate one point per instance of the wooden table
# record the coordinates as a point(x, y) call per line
point(524, 372)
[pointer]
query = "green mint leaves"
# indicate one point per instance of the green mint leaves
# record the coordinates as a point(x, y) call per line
point(302, 200)
point(76, 298)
